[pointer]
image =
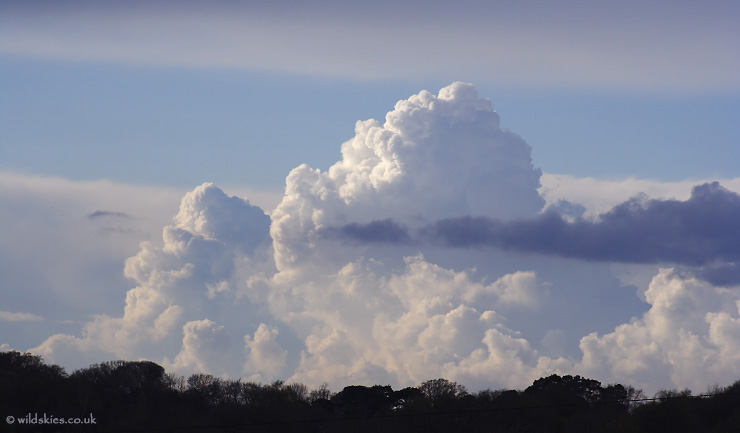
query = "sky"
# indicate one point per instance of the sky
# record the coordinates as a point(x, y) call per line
point(375, 193)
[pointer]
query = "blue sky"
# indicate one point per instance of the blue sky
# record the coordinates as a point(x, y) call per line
point(114, 116)
point(94, 121)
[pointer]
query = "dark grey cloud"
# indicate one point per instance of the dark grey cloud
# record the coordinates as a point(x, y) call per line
point(702, 232)
point(103, 213)
point(568, 209)
point(720, 274)
point(381, 231)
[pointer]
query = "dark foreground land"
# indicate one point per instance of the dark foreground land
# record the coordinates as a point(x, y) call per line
point(123, 396)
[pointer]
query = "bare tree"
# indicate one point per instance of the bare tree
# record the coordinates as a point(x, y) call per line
point(298, 391)
point(321, 393)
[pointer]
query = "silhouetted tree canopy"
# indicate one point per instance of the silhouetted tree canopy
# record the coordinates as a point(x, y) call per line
point(129, 396)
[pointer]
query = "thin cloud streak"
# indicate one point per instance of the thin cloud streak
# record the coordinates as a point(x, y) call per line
point(7, 316)
point(669, 46)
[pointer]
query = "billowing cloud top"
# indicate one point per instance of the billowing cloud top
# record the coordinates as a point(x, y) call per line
point(209, 212)
point(436, 156)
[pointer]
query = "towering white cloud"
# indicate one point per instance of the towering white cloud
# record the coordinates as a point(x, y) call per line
point(333, 288)
point(367, 314)
point(435, 156)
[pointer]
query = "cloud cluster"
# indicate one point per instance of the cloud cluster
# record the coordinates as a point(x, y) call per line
point(371, 316)
point(689, 338)
point(418, 322)
point(179, 284)
point(341, 284)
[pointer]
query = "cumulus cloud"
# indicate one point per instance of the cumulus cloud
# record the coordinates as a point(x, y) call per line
point(179, 283)
point(146, 321)
point(205, 348)
point(265, 357)
point(209, 213)
point(438, 330)
point(440, 165)
point(687, 339)
point(369, 314)
point(214, 289)
point(337, 286)
point(435, 156)
point(417, 323)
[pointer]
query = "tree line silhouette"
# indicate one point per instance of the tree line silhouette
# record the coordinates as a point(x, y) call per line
point(125, 396)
